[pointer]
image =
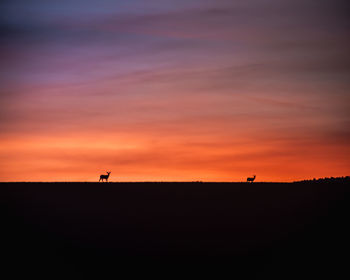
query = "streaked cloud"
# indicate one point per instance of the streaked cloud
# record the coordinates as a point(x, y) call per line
point(171, 90)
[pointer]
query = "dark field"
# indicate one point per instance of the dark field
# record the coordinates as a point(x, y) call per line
point(267, 230)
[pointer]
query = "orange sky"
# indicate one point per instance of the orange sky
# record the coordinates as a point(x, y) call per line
point(203, 90)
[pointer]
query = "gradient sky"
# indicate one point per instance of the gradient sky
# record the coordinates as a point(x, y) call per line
point(211, 90)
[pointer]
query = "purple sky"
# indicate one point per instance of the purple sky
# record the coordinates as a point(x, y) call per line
point(175, 90)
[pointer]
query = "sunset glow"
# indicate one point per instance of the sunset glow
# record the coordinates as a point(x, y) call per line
point(155, 90)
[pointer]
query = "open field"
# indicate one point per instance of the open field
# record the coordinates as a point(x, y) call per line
point(266, 228)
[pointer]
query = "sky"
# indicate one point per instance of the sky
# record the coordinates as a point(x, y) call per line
point(161, 90)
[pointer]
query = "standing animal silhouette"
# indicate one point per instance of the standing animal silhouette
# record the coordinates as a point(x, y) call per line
point(251, 179)
point(104, 177)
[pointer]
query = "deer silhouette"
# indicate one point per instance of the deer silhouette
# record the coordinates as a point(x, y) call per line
point(251, 179)
point(104, 177)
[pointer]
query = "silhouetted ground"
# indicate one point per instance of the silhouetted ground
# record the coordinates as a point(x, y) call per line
point(266, 230)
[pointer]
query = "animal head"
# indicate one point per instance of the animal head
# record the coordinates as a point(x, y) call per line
point(108, 172)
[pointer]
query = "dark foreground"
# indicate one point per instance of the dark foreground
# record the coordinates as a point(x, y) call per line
point(263, 230)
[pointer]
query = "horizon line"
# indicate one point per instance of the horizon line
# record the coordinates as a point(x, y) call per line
point(194, 181)
point(122, 182)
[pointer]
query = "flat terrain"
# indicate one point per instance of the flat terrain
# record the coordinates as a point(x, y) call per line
point(264, 228)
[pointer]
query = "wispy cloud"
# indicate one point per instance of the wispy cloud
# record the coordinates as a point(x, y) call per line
point(214, 88)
